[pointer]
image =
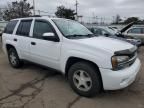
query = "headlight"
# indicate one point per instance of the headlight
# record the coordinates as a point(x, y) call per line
point(117, 61)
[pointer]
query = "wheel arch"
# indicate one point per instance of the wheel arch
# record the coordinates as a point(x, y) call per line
point(8, 46)
point(73, 60)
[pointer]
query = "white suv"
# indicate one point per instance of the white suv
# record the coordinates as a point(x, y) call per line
point(91, 63)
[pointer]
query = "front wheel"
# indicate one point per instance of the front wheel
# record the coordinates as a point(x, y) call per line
point(84, 79)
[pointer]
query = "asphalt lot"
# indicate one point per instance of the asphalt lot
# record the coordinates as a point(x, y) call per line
point(36, 87)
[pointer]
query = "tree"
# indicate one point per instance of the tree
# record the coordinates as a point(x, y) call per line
point(117, 19)
point(17, 9)
point(63, 12)
point(131, 19)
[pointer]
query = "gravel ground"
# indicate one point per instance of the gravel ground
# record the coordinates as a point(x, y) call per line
point(36, 87)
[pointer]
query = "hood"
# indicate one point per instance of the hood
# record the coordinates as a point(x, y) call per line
point(105, 43)
point(127, 27)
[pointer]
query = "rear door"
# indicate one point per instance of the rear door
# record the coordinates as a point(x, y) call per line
point(8, 34)
point(23, 38)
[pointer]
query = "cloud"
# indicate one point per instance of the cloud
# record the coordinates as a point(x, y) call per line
point(88, 8)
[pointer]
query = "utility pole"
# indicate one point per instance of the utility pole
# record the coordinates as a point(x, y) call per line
point(94, 18)
point(33, 7)
point(101, 20)
point(76, 9)
point(39, 12)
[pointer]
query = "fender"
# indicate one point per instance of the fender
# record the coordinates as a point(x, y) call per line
point(98, 59)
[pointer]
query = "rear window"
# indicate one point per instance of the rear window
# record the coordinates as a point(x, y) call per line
point(10, 27)
point(24, 28)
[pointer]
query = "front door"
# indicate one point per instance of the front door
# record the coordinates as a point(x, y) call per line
point(42, 51)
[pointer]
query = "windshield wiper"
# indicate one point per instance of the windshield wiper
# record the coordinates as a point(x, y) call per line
point(74, 35)
point(79, 35)
point(91, 35)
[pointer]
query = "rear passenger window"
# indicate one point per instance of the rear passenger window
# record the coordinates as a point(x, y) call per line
point(10, 27)
point(24, 28)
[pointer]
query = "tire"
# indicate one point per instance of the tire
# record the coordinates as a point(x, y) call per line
point(90, 74)
point(13, 57)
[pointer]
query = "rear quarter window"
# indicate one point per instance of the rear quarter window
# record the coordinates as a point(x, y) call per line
point(10, 27)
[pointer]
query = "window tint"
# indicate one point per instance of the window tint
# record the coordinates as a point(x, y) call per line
point(10, 27)
point(41, 27)
point(24, 28)
point(135, 31)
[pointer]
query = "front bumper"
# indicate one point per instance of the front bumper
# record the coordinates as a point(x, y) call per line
point(113, 80)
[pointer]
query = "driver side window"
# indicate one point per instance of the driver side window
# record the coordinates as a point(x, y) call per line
point(41, 27)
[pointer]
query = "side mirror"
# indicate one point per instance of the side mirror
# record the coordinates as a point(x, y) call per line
point(50, 36)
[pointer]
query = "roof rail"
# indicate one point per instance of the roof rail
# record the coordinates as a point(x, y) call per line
point(35, 16)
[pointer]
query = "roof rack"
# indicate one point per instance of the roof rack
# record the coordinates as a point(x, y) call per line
point(35, 16)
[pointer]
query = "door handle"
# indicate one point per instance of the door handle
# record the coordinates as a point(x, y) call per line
point(33, 43)
point(15, 39)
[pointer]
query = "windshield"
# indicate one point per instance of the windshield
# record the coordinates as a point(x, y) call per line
point(111, 31)
point(70, 28)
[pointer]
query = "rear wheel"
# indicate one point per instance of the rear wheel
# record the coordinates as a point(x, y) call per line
point(84, 79)
point(14, 58)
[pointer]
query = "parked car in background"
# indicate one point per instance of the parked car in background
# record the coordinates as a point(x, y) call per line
point(135, 33)
point(91, 63)
point(114, 28)
point(2, 26)
point(109, 32)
